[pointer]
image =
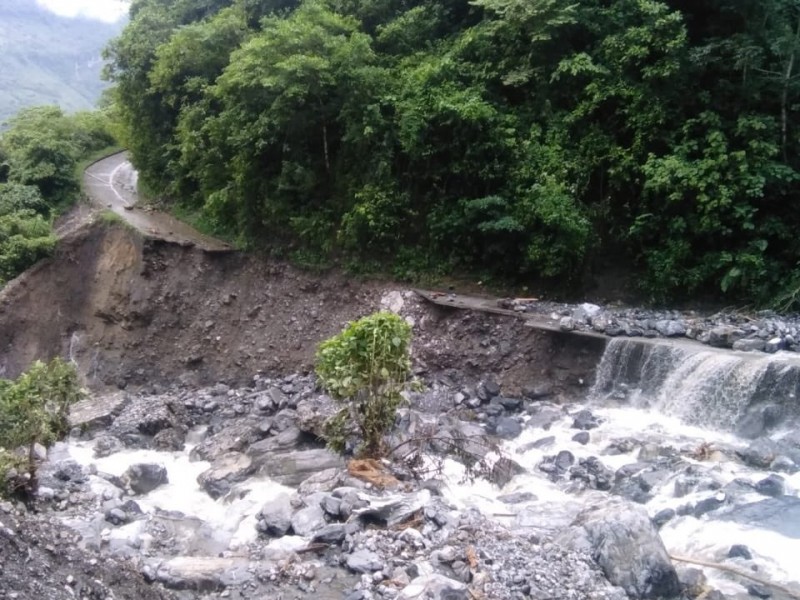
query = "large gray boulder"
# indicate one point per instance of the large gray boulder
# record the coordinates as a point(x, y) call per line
point(224, 472)
point(628, 549)
point(143, 478)
point(275, 518)
point(292, 468)
point(434, 587)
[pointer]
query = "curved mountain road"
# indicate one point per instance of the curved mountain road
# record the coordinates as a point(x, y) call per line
point(110, 183)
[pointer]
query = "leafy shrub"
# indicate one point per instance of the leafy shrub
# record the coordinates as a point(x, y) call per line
point(365, 368)
point(34, 409)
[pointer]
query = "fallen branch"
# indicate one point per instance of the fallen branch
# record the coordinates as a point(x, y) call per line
point(712, 565)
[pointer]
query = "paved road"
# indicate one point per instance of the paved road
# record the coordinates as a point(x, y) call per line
point(111, 183)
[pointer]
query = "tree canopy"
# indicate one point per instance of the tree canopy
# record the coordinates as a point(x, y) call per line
point(518, 138)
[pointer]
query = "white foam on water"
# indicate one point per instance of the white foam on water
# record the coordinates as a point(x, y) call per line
point(233, 517)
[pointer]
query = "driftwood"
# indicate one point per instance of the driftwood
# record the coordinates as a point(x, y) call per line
point(728, 569)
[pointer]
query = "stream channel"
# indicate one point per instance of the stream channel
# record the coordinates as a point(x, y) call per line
point(707, 441)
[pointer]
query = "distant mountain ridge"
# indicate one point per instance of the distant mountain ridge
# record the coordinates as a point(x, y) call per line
point(48, 59)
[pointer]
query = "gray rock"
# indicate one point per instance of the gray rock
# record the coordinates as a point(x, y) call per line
point(582, 437)
point(662, 517)
point(364, 561)
point(693, 581)
point(434, 587)
point(393, 510)
point(291, 468)
point(331, 505)
point(507, 428)
point(224, 472)
point(504, 470)
point(749, 345)
point(740, 551)
point(143, 478)
point(627, 547)
point(116, 516)
point(538, 391)
point(781, 514)
point(724, 336)
point(585, 420)
point(517, 498)
point(773, 486)
point(330, 534)
point(774, 344)
point(307, 521)
point(566, 324)
point(276, 516)
point(203, 573)
point(670, 328)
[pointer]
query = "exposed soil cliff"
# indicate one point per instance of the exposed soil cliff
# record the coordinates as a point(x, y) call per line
point(134, 311)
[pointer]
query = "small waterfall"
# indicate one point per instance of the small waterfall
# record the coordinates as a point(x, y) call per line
point(700, 385)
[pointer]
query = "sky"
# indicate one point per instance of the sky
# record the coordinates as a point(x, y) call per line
point(108, 11)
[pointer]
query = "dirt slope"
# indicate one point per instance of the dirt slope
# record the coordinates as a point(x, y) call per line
point(132, 311)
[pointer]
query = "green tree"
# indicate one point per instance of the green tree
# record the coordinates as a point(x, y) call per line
point(34, 409)
point(365, 368)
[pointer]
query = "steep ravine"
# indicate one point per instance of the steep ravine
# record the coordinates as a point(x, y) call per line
point(205, 474)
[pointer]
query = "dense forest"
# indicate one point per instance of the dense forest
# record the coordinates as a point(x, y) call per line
point(41, 157)
point(517, 138)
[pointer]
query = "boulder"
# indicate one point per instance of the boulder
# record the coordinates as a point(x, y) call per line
point(143, 478)
point(202, 573)
point(224, 472)
point(585, 420)
point(291, 468)
point(780, 514)
point(364, 561)
point(434, 587)
point(627, 547)
point(670, 328)
point(275, 517)
point(724, 336)
point(309, 520)
point(774, 486)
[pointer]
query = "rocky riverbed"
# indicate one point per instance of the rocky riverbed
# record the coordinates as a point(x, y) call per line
point(762, 331)
point(229, 492)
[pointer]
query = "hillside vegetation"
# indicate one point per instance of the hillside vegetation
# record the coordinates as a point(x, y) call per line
point(515, 138)
point(47, 59)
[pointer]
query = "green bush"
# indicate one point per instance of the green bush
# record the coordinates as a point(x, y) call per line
point(34, 409)
point(365, 368)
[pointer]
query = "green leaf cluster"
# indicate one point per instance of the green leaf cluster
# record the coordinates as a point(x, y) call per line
point(365, 367)
point(525, 139)
point(39, 153)
point(34, 409)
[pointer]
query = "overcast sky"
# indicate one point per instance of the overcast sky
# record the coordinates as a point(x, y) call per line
point(102, 10)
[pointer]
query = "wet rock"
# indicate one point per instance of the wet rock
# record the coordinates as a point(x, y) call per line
point(774, 344)
point(564, 460)
point(364, 561)
point(510, 404)
point(759, 591)
point(626, 545)
point(773, 486)
point(592, 472)
point(330, 534)
point(538, 391)
point(307, 521)
point(749, 345)
point(434, 587)
point(582, 437)
point(291, 468)
point(740, 551)
point(693, 581)
point(507, 428)
point(759, 420)
point(663, 517)
point(759, 454)
point(724, 336)
point(504, 470)
point(711, 504)
point(116, 516)
point(106, 445)
point(143, 478)
point(585, 420)
point(517, 498)
point(541, 443)
point(780, 514)
point(224, 472)
point(170, 439)
point(275, 517)
point(203, 573)
point(670, 328)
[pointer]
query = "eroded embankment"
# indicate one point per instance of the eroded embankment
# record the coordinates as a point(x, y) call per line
point(133, 311)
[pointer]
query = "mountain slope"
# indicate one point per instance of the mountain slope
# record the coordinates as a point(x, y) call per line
point(47, 59)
